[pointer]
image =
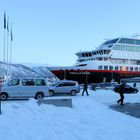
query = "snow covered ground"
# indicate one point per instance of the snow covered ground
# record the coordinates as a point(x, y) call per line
point(89, 119)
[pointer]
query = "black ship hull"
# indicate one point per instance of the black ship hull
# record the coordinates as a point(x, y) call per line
point(95, 76)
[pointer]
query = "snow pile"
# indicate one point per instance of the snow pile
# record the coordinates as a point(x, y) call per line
point(89, 119)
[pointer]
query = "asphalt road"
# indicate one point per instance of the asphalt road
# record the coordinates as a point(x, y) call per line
point(132, 109)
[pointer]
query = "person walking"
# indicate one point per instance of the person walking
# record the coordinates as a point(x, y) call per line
point(121, 92)
point(85, 89)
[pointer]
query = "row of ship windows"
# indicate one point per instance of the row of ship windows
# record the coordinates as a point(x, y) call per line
point(127, 48)
point(125, 41)
point(95, 53)
point(122, 68)
point(130, 41)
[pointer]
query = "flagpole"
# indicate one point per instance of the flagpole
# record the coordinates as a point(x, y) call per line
point(10, 59)
point(11, 40)
point(4, 47)
point(3, 59)
point(0, 94)
point(7, 65)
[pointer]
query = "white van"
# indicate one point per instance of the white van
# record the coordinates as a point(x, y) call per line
point(25, 87)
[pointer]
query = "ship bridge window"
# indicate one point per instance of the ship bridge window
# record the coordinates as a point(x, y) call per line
point(127, 48)
point(99, 59)
point(105, 51)
point(130, 41)
point(108, 51)
point(81, 65)
point(101, 51)
point(83, 55)
point(109, 46)
point(90, 54)
point(100, 68)
point(111, 41)
point(138, 62)
point(137, 42)
point(105, 67)
point(93, 53)
point(86, 54)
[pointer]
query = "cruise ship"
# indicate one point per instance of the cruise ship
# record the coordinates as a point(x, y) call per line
point(112, 61)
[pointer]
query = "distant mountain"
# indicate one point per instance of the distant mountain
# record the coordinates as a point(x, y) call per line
point(19, 70)
point(42, 71)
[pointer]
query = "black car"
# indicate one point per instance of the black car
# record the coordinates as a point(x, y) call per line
point(103, 86)
point(127, 89)
point(93, 86)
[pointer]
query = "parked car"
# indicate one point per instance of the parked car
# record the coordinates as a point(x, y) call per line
point(27, 87)
point(105, 86)
point(64, 86)
point(127, 89)
point(93, 86)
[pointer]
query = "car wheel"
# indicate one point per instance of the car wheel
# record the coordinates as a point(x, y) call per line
point(135, 91)
point(51, 93)
point(73, 93)
point(3, 96)
point(39, 96)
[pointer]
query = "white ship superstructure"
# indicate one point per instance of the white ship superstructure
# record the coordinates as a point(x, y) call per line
point(118, 54)
point(113, 60)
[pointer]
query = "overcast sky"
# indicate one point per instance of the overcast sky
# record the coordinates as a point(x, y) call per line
point(52, 31)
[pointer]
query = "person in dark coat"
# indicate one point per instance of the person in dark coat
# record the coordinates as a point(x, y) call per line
point(121, 92)
point(85, 89)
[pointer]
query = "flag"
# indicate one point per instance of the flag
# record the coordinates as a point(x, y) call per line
point(11, 34)
point(5, 20)
point(8, 24)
